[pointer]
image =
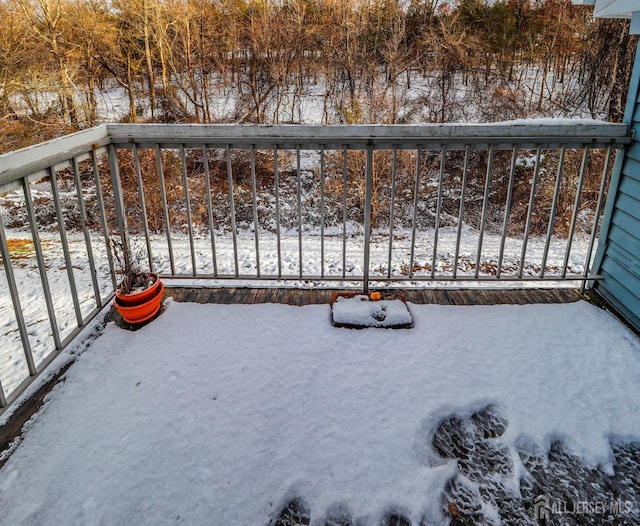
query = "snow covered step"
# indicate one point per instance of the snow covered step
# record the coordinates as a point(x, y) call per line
point(360, 311)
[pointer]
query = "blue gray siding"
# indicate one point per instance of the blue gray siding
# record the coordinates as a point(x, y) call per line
point(618, 258)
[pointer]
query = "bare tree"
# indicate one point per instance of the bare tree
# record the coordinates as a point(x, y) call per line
point(46, 19)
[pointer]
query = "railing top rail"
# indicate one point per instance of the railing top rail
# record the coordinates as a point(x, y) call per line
point(531, 133)
point(33, 159)
point(551, 133)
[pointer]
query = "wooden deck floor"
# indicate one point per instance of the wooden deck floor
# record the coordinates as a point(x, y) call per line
point(300, 297)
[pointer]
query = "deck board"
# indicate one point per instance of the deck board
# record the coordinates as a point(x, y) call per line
point(290, 296)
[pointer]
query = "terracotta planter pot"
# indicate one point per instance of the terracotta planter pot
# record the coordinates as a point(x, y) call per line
point(141, 306)
point(136, 298)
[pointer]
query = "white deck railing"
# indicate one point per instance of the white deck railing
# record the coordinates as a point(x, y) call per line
point(379, 206)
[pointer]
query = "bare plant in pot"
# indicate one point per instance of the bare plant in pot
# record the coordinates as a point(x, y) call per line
point(139, 293)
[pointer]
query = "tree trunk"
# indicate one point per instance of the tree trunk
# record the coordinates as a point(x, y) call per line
point(149, 58)
point(133, 113)
point(621, 76)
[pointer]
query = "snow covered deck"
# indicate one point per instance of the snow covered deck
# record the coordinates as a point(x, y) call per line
point(266, 414)
point(236, 413)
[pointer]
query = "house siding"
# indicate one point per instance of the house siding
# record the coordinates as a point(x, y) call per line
point(618, 260)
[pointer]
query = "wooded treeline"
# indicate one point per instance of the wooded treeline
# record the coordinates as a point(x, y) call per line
point(383, 61)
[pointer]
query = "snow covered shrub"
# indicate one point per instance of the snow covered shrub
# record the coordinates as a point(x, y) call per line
point(151, 186)
point(507, 102)
point(14, 212)
point(568, 187)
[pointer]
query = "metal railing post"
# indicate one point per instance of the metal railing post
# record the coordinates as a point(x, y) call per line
point(3, 398)
point(118, 200)
point(392, 208)
point(532, 199)
point(367, 217)
point(165, 208)
point(44, 280)
point(103, 217)
point(596, 218)
point(254, 198)
point(463, 193)
point(143, 205)
point(416, 199)
point(299, 203)
point(232, 211)
point(187, 201)
point(553, 211)
point(15, 299)
point(575, 210)
point(507, 210)
point(436, 227)
point(485, 207)
point(276, 184)
point(322, 210)
point(345, 184)
point(62, 230)
point(212, 230)
point(87, 235)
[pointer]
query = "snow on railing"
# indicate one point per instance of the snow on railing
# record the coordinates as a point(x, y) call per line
point(406, 206)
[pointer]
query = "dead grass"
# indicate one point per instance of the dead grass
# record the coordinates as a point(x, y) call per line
point(20, 132)
point(20, 248)
point(23, 249)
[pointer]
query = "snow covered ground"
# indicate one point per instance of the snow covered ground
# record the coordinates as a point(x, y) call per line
point(320, 103)
point(210, 415)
